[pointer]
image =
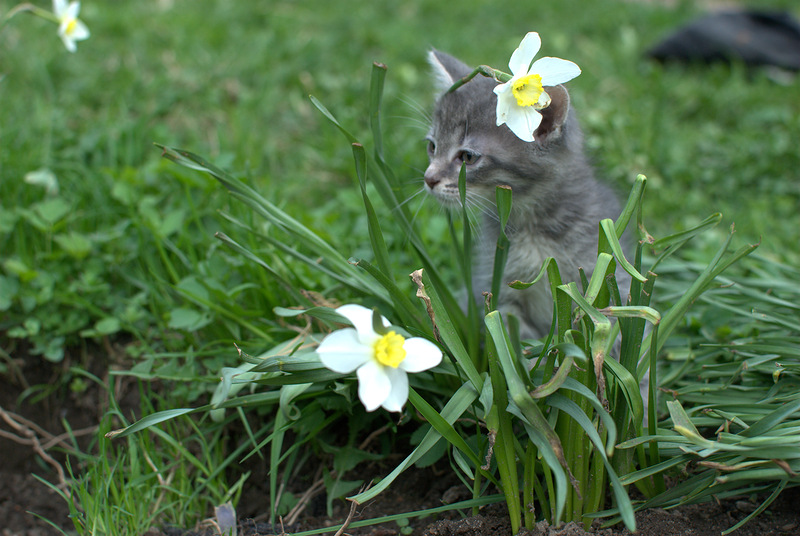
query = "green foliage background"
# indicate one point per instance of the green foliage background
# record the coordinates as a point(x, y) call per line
point(125, 249)
point(231, 81)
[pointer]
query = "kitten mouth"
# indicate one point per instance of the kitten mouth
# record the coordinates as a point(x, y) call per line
point(448, 198)
point(450, 203)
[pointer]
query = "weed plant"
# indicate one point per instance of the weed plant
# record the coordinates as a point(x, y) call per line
point(148, 480)
point(120, 250)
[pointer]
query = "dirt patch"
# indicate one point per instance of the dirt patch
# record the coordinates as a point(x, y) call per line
point(36, 399)
point(25, 428)
point(781, 519)
point(21, 495)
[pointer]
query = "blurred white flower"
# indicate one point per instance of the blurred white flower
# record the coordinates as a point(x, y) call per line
point(381, 361)
point(520, 99)
point(45, 178)
point(70, 27)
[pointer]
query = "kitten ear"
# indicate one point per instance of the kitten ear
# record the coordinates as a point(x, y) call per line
point(446, 69)
point(554, 116)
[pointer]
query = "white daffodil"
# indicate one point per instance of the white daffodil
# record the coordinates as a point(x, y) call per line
point(70, 28)
point(520, 99)
point(381, 361)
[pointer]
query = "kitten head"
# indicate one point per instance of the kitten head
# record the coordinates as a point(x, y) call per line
point(464, 131)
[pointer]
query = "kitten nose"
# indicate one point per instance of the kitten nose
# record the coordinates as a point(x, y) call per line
point(431, 181)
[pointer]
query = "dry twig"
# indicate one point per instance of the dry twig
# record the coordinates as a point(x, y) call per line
point(26, 434)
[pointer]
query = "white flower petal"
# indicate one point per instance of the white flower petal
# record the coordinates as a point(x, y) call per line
point(421, 354)
point(555, 71)
point(361, 318)
point(341, 351)
point(503, 89)
point(79, 31)
point(523, 122)
point(505, 102)
point(59, 7)
point(399, 391)
point(373, 385)
point(72, 10)
point(523, 56)
point(68, 42)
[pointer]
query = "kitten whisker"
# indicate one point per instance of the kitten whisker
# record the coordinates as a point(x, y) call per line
point(483, 203)
point(413, 180)
point(419, 207)
point(418, 108)
point(474, 222)
point(409, 198)
point(412, 122)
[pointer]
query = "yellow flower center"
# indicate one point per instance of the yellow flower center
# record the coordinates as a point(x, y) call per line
point(528, 91)
point(70, 26)
point(389, 349)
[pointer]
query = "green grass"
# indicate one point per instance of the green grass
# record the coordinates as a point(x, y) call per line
point(231, 83)
point(126, 248)
point(167, 476)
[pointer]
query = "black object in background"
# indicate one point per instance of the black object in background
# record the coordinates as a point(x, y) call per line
point(753, 37)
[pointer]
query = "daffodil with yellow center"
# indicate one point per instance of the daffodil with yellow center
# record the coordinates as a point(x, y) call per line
point(70, 27)
point(381, 361)
point(529, 91)
point(389, 349)
point(520, 100)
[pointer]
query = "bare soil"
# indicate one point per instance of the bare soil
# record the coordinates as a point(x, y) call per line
point(29, 434)
point(781, 519)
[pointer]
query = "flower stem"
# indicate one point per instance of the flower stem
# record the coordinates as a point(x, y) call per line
point(30, 8)
point(485, 70)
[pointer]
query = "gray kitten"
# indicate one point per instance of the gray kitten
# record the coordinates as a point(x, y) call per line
point(557, 202)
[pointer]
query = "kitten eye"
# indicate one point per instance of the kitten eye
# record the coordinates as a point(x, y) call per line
point(431, 147)
point(468, 157)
